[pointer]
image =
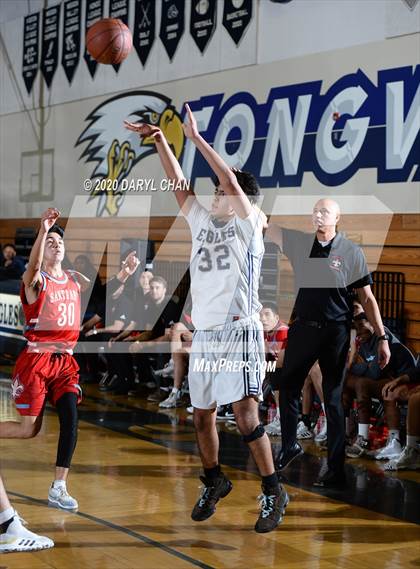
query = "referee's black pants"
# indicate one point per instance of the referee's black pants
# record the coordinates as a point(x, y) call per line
point(305, 345)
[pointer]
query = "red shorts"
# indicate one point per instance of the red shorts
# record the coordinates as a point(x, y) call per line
point(38, 376)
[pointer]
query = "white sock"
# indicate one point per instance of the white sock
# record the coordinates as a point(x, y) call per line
point(413, 440)
point(363, 430)
point(59, 484)
point(393, 434)
point(278, 412)
point(323, 407)
point(175, 390)
point(6, 515)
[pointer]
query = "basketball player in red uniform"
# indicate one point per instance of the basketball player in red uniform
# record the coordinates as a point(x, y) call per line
point(46, 368)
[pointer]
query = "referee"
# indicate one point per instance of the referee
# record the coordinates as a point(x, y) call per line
point(327, 268)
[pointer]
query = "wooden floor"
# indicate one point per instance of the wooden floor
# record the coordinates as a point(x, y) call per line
point(135, 475)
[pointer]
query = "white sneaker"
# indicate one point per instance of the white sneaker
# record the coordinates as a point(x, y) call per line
point(320, 430)
point(391, 450)
point(18, 538)
point(274, 428)
point(60, 498)
point(409, 459)
point(174, 400)
point(190, 409)
point(166, 371)
point(303, 432)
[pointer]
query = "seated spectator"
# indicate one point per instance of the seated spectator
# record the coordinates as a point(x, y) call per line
point(141, 294)
point(407, 388)
point(365, 379)
point(180, 337)
point(104, 309)
point(275, 337)
point(13, 266)
point(156, 318)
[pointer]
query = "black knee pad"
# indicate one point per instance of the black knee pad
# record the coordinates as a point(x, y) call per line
point(257, 433)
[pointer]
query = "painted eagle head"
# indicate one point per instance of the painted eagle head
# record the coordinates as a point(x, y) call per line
point(114, 149)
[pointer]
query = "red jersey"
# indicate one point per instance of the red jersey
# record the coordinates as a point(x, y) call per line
point(53, 320)
point(277, 336)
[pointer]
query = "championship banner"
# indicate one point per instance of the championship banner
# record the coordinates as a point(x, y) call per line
point(119, 9)
point(203, 22)
point(71, 37)
point(94, 12)
point(49, 53)
point(144, 28)
point(236, 17)
point(30, 50)
point(172, 25)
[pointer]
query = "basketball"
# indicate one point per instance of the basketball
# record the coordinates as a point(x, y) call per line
point(109, 41)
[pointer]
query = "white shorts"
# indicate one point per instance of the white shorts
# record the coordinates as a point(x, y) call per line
point(227, 364)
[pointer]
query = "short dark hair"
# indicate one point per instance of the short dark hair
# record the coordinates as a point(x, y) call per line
point(271, 306)
point(57, 229)
point(248, 183)
point(9, 245)
point(160, 280)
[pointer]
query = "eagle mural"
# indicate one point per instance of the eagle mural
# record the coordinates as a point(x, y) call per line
point(115, 150)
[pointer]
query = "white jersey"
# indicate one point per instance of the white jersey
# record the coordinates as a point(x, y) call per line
point(225, 267)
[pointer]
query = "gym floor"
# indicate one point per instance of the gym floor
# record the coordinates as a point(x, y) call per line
point(135, 475)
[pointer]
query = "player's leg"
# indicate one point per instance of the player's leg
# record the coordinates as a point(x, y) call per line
point(13, 535)
point(65, 395)
point(215, 484)
point(274, 498)
point(67, 413)
point(179, 355)
point(27, 428)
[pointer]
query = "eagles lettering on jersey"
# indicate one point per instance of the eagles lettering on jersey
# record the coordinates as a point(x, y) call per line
point(225, 267)
point(216, 236)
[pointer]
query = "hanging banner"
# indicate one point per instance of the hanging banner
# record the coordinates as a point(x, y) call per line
point(119, 9)
point(236, 17)
point(172, 25)
point(203, 22)
point(144, 28)
point(49, 53)
point(71, 37)
point(94, 12)
point(30, 50)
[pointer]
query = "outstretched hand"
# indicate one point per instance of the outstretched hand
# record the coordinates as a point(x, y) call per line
point(190, 127)
point(144, 129)
point(49, 217)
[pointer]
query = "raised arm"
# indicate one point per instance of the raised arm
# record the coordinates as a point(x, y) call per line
point(32, 276)
point(169, 162)
point(225, 174)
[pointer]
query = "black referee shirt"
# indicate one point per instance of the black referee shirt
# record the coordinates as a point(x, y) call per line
point(325, 276)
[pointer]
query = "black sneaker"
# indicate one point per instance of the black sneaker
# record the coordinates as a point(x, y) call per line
point(211, 493)
point(273, 506)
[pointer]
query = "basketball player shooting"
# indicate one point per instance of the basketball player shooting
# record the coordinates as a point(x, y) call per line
point(46, 368)
point(227, 354)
